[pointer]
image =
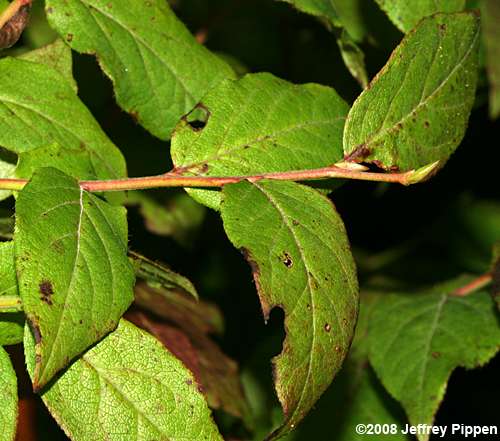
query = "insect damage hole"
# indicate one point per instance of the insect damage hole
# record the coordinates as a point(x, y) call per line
point(197, 119)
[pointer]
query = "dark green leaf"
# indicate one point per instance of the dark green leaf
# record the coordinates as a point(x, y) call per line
point(298, 249)
point(11, 323)
point(491, 30)
point(74, 275)
point(406, 14)
point(8, 398)
point(160, 276)
point(259, 124)
point(430, 334)
point(179, 217)
point(39, 108)
point(346, 14)
point(416, 110)
point(128, 387)
point(354, 58)
point(158, 69)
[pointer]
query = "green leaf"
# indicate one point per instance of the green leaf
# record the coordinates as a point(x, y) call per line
point(75, 162)
point(345, 17)
point(160, 276)
point(11, 323)
point(297, 246)
point(39, 107)
point(228, 135)
point(56, 55)
point(188, 339)
point(346, 14)
point(158, 69)
point(128, 387)
point(405, 15)
point(355, 397)
point(416, 110)
point(8, 398)
point(491, 31)
point(74, 275)
point(430, 334)
point(354, 58)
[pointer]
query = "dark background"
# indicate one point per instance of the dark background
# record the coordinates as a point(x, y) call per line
point(423, 221)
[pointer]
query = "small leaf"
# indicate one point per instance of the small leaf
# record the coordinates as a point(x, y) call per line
point(8, 398)
point(430, 334)
point(74, 275)
point(346, 14)
point(302, 128)
point(416, 110)
point(180, 217)
point(158, 69)
point(354, 58)
point(127, 387)
point(39, 108)
point(405, 15)
point(345, 18)
point(56, 55)
point(159, 276)
point(11, 323)
point(297, 246)
point(11, 30)
point(491, 31)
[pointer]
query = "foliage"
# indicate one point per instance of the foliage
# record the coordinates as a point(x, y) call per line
point(264, 131)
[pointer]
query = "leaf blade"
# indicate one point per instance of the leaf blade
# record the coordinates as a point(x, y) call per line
point(415, 111)
point(39, 108)
point(8, 398)
point(432, 333)
point(71, 253)
point(303, 129)
point(406, 15)
point(301, 231)
point(11, 323)
point(139, 43)
point(133, 385)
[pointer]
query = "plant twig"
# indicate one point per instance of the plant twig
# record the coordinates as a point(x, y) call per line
point(10, 304)
point(473, 286)
point(12, 10)
point(175, 179)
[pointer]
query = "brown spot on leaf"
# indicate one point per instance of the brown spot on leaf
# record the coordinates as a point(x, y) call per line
point(69, 38)
point(358, 154)
point(36, 333)
point(436, 354)
point(328, 328)
point(46, 291)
